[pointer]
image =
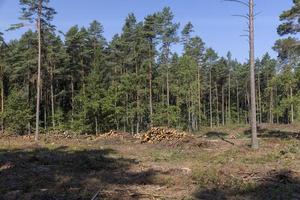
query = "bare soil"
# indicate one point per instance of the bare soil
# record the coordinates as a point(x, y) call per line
point(223, 167)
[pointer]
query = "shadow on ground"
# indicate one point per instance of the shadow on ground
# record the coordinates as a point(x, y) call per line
point(62, 174)
point(215, 134)
point(282, 185)
point(267, 133)
point(218, 135)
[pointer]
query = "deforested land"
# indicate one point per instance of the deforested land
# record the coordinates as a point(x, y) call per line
point(151, 111)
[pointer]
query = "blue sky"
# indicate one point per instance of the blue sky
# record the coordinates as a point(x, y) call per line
point(211, 18)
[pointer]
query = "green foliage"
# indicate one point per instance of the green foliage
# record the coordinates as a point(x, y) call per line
point(290, 20)
point(90, 85)
point(18, 114)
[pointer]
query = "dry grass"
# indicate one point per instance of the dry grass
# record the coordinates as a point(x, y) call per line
point(76, 168)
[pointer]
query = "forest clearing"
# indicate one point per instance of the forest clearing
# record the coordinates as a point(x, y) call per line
point(134, 100)
point(222, 167)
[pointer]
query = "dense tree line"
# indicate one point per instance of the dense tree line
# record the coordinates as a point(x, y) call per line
point(136, 80)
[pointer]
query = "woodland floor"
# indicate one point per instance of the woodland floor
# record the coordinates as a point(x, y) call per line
point(81, 167)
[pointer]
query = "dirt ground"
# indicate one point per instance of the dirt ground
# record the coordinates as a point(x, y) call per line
point(82, 167)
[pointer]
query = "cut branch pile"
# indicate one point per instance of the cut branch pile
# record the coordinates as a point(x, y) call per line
point(114, 134)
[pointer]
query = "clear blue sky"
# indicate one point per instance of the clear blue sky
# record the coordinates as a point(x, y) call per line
point(211, 18)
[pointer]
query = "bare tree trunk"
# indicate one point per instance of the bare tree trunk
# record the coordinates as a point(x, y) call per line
point(132, 127)
point(210, 99)
point(259, 98)
point(249, 108)
point(83, 76)
point(39, 72)
point(45, 112)
point(150, 87)
point(115, 103)
point(276, 103)
point(199, 99)
point(96, 124)
point(204, 111)
point(2, 100)
point(189, 113)
point(271, 107)
point(217, 105)
point(52, 98)
point(126, 108)
point(237, 102)
point(254, 141)
point(229, 98)
point(192, 111)
point(28, 100)
point(72, 100)
point(178, 103)
point(168, 96)
point(223, 109)
point(137, 101)
point(292, 106)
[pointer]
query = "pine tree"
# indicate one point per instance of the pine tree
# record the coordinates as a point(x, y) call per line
point(135, 81)
point(211, 58)
point(167, 31)
point(38, 12)
point(194, 47)
point(254, 141)
point(2, 65)
point(150, 33)
point(290, 19)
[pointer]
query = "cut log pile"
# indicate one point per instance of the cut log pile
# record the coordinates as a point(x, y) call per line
point(159, 134)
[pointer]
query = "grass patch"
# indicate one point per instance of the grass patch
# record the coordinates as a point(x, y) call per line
point(168, 155)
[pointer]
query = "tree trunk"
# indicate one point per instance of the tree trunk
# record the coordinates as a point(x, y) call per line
point(52, 98)
point(28, 100)
point(72, 100)
point(39, 72)
point(178, 100)
point(271, 107)
point(137, 100)
point(237, 102)
point(191, 111)
point(83, 76)
point(96, 124)
point(204, 111)
point(229, 98)
point(210, 99)
point(199, 99)
point(292, 106)
point(223, 102)
point(126, 108)
point(276, 103)
point(168, 96)
point(254, 142)
point(2, 100)
point(189, 114)
point(259, 98)
point(217, 105)
point(247, 114)
point(45, 112)
point(150, 87)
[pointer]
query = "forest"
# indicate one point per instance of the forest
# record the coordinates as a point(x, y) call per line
point(81, 84)
point(134, 81)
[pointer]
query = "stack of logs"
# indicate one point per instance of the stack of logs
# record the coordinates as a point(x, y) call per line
point(159, 134)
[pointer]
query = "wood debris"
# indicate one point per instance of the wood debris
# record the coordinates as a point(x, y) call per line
point(159, 134)
point(114, 134)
